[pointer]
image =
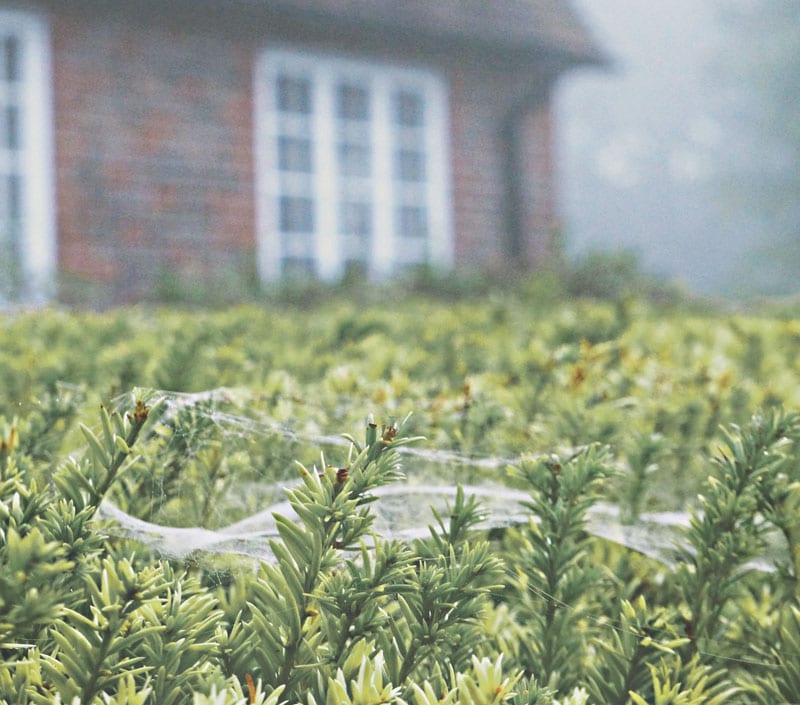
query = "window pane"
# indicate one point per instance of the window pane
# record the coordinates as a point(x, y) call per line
point(409, 165)
point(408, 109)
point(412, 221)
point(14, 198)
point(11, 58)
point(12, 127)
point(355, 219)
point(294, 154)
point(296, 214)
point(352, 102)
point(354, 160)
point(294, 95)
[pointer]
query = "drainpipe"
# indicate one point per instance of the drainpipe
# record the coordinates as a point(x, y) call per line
point(515, 175)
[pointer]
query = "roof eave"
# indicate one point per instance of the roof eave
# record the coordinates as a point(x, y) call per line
point(535, 50)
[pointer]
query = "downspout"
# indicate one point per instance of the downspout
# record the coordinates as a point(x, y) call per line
point(514, 176)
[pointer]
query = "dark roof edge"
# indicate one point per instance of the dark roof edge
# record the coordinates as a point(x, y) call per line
point(583, 52)
point(526, 32)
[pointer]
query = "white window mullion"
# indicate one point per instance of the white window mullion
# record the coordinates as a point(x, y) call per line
point(438, 181)
point(327, 249)
point(266, 181)
point(383, 243)
point(38, 192)
point(389, 186)
point(30, 232)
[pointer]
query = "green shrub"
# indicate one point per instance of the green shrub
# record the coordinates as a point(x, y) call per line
point(345, 616)
point(582, 408)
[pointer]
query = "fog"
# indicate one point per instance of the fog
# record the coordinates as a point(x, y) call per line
point(644, 146)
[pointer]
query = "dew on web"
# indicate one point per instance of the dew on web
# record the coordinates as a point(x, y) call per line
point(217, 467)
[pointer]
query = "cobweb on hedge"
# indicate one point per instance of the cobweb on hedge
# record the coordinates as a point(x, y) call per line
point(404, 512)
point(405, 509)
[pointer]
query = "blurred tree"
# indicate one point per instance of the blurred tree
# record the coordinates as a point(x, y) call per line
point(760, 155)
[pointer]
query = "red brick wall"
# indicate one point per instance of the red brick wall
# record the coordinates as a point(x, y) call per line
point(539, 218)
point(153, 142)
point(154, 164)
point(482, 99)
point(478, 187)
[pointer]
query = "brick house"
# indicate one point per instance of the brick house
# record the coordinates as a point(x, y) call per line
point(187, 138)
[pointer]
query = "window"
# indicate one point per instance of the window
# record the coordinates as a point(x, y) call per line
point(352, 167)
point(27, 239)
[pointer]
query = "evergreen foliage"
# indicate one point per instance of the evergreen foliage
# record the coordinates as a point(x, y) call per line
point(343, 616)
point(539, 612)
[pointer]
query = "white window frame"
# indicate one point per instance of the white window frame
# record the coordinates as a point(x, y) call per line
point(325, 73)
point(34, 163)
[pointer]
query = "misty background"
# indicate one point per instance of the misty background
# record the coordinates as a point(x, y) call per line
point(685, 150)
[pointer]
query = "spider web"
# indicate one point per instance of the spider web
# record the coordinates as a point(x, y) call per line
point(405, 510)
